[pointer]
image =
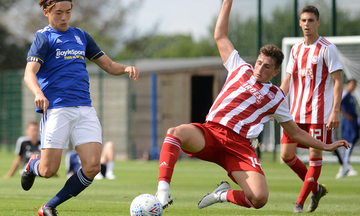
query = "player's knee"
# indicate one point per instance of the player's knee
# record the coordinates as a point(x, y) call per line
point(260, 200)
point(92, 170)
point(173, 131)
point(285, 156)
point(176, 131)
point(47, 172)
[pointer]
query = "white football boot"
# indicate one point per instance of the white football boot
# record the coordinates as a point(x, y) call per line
point(214, 197)
point(164, 197)
point(352, 172)
point(99, 176)
point(343, 171)
point(110, 175)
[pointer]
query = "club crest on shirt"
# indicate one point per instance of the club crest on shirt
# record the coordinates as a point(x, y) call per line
point(271, 95)
point(254, 91)
point(314, 59)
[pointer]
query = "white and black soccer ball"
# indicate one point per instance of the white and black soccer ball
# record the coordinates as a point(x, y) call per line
point(146, 205)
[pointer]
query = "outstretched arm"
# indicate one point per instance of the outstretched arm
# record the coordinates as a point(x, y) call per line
point(300, 136)
point(114, 68)
point(222, 30)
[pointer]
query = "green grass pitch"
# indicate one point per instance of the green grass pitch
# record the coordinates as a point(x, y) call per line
point(192, 179)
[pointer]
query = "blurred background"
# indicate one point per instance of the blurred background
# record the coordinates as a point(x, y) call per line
point(171, 42)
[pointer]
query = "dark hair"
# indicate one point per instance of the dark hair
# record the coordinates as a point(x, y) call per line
point(49, 4)
point(351, 80)
point(273, 52)
point(311, 9)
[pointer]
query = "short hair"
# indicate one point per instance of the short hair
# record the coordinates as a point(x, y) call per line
point(274, 52)
point(35, 123)
point(49, 4)
point(311, 9)
point(351, 80)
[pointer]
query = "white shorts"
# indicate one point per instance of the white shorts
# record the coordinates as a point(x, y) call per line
point(78, 125)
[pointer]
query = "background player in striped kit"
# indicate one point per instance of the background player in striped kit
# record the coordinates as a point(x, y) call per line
point(56, 61)
point(314, 84)
point(247, 100)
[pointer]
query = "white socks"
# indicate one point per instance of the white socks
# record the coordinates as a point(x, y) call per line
point(163, 185)
point(110, 166)
point(223, 196)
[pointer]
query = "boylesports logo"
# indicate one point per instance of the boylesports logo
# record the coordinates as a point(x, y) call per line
point(70, 54)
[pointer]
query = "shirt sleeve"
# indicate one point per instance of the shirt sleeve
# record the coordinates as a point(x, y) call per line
point(19, 142)
point(291, 62)
point(39, 48)
point(282, 113)
point(332, 59)
point(92, 49)
point(234, 62)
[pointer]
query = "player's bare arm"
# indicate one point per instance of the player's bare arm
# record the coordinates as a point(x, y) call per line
point(304, 138)
point(334, 119)
point(285, 85)
point(115, 68)
point(31, 69)
point(222, 30)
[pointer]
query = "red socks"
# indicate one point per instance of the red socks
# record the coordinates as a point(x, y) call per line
point(297, 166)
point(310, 183)
point(238, 197)
point(168, 157)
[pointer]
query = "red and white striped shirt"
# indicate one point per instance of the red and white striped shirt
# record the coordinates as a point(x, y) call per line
point(311, 85)
point(244, 104)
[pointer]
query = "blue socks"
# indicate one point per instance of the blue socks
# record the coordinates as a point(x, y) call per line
point(34, 166)
point(73, 186)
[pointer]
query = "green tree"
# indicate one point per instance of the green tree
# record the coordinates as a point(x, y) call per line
point(105, 21)
point(242, 33)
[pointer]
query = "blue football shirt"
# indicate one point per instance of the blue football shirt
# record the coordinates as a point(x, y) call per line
point(63, 77)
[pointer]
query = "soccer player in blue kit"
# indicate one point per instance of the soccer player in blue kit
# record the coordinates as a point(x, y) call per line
point(56, 61)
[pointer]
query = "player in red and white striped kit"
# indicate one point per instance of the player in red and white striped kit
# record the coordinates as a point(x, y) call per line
point(314, 84)
point(247, 100)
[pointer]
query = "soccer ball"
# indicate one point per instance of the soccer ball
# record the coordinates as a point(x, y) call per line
point(146, 205)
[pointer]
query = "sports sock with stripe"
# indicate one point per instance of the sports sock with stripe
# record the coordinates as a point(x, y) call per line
point(168, 157)
point(73, 186)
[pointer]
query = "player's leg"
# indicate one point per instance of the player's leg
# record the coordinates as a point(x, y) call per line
point(239, 159)
point(89, 154)
point(50, 163)
point(312, 175)
point(186, 136)
point(352, 138)
point(288, 150)
point(321, 133)
point(255, 191)
point(85, 127)
point(289, 157)
point(55, 128)
point(108, 159)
